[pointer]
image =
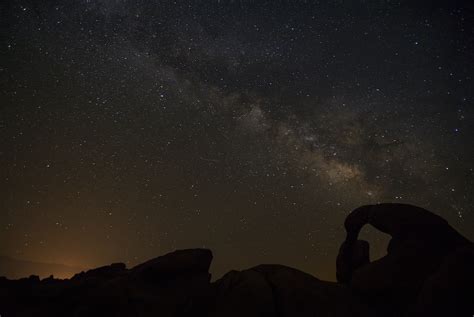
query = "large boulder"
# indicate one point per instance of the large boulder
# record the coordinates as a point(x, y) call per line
point(243, 293)
point(276, 290)
point(420, 242)
point(176, 284)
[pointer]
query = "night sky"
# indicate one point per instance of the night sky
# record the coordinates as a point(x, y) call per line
point(129, 129)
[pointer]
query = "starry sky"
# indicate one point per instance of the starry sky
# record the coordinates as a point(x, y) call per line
point(129, 129)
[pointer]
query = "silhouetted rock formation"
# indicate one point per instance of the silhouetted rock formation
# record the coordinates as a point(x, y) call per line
point(421, 242)
point(276, 290)
point(428, 271)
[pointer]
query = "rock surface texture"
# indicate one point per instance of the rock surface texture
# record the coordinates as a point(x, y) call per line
point(428, 271)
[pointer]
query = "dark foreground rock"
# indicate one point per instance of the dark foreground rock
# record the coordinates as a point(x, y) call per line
point(276, 290)
point(428, 271)
point(421, 245)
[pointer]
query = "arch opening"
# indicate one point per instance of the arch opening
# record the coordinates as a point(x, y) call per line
point(378, 241)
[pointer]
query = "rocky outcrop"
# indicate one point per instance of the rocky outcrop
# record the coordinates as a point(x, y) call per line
point(428, 271)
point(176, 284)
point(352, 255)
point(276, 290)
point(421, 242)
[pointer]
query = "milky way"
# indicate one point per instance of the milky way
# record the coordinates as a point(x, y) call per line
point(133, 128)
